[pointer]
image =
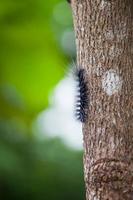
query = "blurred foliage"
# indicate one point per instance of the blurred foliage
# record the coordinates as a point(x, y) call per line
point(30, 58)
point(34, 49)
point(35, 170)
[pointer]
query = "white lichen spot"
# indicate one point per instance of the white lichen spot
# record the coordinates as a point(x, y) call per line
point(111, 82)
point(103, 4)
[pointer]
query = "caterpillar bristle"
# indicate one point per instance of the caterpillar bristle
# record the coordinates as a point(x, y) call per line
point(82, 96)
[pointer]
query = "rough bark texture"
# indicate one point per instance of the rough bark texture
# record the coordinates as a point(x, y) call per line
point(104, 39)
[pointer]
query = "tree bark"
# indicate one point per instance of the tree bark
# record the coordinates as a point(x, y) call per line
point(104, 39)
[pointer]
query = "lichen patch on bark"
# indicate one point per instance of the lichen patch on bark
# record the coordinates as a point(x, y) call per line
point(111, 82)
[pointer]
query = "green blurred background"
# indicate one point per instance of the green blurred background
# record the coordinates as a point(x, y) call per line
point(36, 47)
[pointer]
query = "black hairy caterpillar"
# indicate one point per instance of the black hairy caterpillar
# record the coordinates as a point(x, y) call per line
point(82, 99)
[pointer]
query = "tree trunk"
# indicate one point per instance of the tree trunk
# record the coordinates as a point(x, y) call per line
point(104, 39)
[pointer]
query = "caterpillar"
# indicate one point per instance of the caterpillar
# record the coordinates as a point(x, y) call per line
point(82, 97)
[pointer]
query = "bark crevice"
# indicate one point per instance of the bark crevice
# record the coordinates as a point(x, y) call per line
point(112, 174)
